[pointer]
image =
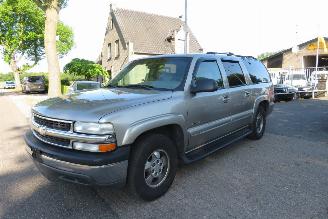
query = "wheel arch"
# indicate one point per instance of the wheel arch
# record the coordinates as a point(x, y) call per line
point(262, 101)
point(170, 125)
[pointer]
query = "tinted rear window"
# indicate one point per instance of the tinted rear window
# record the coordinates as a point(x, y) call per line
point(234, 73)
point(35, 79)
point(256, 70)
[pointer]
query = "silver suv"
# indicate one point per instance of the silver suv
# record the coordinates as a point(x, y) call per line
point(157, 112)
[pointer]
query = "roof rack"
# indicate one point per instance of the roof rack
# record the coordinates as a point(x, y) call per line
point(221, 53)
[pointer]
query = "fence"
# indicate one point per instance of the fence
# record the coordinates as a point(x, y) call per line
point(316, 78)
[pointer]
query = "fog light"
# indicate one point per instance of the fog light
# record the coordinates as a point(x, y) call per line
point(94, 147)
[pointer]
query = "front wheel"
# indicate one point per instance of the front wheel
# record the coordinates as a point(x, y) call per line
point(152, 167)
point(258, 124)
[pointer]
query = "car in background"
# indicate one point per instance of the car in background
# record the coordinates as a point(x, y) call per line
point(9, 85)
point(296, 79)
point(306, 92)
point(318, 75)
point(34, 84)
point(284, 92)
point(79, 86)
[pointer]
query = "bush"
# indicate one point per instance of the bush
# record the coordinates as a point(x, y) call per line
point(66, 79)
point(6, 77)
point(86, 68)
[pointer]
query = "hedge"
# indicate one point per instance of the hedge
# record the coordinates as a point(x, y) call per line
point(65, 78)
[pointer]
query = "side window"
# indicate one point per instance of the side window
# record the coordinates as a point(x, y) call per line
point(234, 73)
point(210, 70)
point(256, 70)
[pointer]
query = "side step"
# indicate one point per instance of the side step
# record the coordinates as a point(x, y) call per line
point(213, 146)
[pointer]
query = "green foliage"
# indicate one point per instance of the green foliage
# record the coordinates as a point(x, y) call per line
point(66, 79)
point(66, 39)
point(265, 55)
point(21, 30)
point(44, 4)
point(6, 77)
point(86, 68)
point(22, 33)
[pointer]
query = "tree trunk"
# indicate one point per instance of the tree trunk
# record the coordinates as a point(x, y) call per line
point(51, 49)
point(14, 68)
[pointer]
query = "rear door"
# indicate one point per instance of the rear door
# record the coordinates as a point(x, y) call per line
point(208, 114)
point(240, 95)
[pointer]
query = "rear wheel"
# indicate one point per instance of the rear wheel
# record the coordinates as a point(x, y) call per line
point(258, 125)
point(152, 166)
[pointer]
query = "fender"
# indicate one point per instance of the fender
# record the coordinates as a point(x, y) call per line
point(142, 126)
point(258, 100)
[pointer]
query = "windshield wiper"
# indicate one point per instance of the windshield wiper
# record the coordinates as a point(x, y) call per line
point(143, 86)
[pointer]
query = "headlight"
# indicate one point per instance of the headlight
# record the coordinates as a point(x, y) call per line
point(94, 147)
point(93, 128)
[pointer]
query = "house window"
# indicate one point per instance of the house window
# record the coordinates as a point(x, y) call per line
point(117, 48)
point(109, 51)
point(111, 24)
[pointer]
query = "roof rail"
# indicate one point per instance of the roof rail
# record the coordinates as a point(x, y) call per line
point(222, 53)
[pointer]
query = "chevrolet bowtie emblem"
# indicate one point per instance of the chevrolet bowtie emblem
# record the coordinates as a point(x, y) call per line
point(42, 130)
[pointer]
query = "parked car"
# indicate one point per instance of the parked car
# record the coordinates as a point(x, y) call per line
point(78, 86)
point(34, 84)
point(9, 85)
point(297, 79)
point(155, 112)
point(284, 92)
point(317, 75)
point(306, 92)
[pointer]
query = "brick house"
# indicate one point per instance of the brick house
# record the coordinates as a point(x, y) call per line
point(301, 57)
point(131, 35)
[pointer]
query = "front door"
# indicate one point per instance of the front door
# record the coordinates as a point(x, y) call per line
point(208, 116)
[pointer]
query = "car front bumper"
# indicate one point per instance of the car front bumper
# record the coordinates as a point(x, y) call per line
point(283, 96)
point(78, 167)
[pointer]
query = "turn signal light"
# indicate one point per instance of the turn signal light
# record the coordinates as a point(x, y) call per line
point(94, 147)
point(107, 147)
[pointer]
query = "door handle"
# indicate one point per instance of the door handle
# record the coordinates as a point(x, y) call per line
point(226, 98)
point(247, 93)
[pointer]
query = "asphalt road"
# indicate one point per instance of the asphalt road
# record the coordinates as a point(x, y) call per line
point(283, 175)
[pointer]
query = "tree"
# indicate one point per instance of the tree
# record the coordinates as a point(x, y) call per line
point(22, 35)
point(86, 68)
point(52, 8)
point(265, 55)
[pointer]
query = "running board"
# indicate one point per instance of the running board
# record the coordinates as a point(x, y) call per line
point(208, 149)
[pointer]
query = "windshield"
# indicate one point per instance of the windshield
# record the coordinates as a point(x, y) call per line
point(155, 73)
point(87, 86)
point(298, 77)
point(10, 82)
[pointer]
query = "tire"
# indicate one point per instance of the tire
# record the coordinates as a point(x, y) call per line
point(258, 124)
point(154, 157)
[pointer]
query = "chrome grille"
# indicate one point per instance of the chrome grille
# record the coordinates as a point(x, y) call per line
point(52, 123)
point(61, 142)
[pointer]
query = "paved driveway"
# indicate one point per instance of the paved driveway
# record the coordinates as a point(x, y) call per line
point(284, 175)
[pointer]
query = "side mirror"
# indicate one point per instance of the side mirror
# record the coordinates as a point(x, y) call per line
point(203, 85)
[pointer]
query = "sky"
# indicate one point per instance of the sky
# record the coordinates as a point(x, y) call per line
point(242, 27)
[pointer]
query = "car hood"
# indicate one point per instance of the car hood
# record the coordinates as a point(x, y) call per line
point(90, 106)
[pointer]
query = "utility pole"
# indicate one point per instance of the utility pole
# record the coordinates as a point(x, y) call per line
point(186, 28)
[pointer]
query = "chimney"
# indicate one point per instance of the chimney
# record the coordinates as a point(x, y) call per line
point(112, 7)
